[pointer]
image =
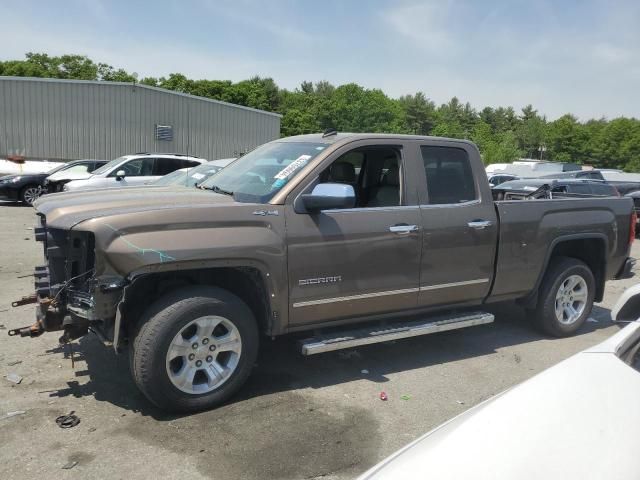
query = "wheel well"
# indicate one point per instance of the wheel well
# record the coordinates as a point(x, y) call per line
point(24, 187)
point(247, 283)
point(592, 252)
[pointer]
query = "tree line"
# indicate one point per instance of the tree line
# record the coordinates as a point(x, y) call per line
point(501, 133)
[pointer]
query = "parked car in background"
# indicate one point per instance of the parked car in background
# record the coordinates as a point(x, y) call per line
point(499, 178)
point(190, 177)
point(78, 171)
point(588, 174)
point(28, 187)
point(553, 188)
point(132, 170)
point(577, 420)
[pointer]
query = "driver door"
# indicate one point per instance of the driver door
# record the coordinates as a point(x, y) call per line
point(354, 262)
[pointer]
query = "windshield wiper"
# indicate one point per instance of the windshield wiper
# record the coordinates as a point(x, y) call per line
point(217, 189)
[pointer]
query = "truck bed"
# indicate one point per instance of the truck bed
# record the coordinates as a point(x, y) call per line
point(529, 230)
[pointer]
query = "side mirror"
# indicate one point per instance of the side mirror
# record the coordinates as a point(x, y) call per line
point(120, 174)
point(327, 196)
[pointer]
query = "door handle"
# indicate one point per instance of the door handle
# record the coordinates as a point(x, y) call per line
point(403, 229)
point(480, 224)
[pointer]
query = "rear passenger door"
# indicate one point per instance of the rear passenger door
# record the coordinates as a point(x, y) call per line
point(459, 224)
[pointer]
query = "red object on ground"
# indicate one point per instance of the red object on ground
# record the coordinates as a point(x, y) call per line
point(383, 396)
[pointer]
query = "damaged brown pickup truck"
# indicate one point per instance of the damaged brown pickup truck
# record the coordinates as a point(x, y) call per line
point(378, 237)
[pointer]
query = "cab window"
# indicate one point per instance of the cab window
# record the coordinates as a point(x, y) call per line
point(450, 178)
point(373, 172)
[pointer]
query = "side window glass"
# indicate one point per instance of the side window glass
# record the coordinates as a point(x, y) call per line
point(581, 189)
point(138, 167)
point(449, 176)
point(345, 169)
point(188, 164)
point(167, 165)
point(374, 174)
point(81, 168)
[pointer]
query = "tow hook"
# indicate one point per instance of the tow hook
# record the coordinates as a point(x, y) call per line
point(25, 301)
point(34, 330)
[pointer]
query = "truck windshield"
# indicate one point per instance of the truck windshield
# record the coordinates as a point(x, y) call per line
point(260, 174)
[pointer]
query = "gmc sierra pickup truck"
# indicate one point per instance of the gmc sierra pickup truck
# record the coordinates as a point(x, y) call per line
point(356, 238)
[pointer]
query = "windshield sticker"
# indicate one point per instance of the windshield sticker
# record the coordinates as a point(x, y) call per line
point(198, 176)
point(292, 167)
point(281, 182)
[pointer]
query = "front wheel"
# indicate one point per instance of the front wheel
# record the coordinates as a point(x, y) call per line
point(30, 194)
point(194, 349)
point(566, 297)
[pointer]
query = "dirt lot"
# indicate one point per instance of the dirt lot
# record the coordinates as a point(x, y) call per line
point(317, 417)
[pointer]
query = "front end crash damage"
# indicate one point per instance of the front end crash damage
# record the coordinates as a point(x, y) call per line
point(69, 296)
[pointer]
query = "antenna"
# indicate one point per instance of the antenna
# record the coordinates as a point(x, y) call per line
point(329, 131)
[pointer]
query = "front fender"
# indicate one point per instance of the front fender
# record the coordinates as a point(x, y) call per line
point(134, 244)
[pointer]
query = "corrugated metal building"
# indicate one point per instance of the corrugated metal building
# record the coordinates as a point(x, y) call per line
point(71, 119)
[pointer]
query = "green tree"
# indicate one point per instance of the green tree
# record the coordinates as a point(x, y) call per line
point(419, 113)
point(500, 133)
point(566, 140)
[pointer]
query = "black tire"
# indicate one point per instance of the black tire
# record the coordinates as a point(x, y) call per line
point(162, 321)
point(29, 194)
point(544, 315)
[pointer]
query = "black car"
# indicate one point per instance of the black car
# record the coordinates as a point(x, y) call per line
point(553, 188)
point(28, 187)
point(585, 174)
point(499, 178)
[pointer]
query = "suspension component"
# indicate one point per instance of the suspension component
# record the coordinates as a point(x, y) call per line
point(29, 331)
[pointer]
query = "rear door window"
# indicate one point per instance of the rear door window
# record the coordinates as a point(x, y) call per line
point(165, 166)
point(188, 163)
point(450, 178)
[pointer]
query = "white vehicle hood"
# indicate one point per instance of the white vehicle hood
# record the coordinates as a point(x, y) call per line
point(84, 183)
point(577, 420)
point(63, 175)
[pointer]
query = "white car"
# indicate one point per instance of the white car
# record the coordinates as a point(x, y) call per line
point(577, 420)
point(191, 177)
point(134, 170)
point(78, 170)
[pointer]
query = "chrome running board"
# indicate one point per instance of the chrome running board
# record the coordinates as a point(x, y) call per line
point(377, 334)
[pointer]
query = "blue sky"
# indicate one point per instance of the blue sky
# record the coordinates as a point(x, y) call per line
point(563, 56)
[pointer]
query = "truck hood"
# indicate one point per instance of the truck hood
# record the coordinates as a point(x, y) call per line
point(576, 420)
point(67, 209)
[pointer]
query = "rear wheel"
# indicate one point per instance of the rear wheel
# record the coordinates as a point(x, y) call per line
point(29, 194)
point(566, 297)
point(194, 349)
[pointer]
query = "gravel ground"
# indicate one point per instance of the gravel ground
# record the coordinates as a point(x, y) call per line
point(317, 417)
